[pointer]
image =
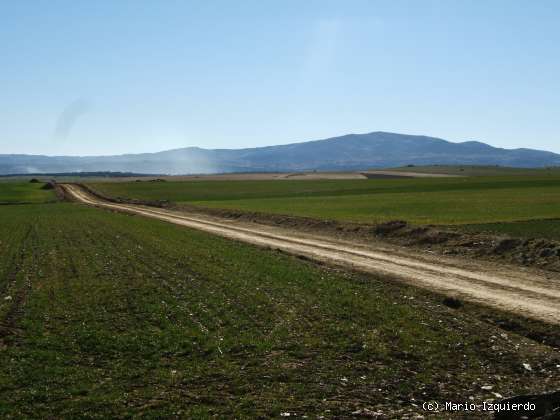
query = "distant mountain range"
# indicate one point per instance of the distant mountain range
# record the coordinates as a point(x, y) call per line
point(349, 152)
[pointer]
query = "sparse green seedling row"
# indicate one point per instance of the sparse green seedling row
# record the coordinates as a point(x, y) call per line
point(108, 315)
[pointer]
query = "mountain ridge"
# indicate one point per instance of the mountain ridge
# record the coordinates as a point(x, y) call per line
point(377, 149)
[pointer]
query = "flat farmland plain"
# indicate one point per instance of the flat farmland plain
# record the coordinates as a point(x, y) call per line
point(110, 315)
point(487, 203)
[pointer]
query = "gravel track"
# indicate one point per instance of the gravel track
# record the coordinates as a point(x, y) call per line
point(530, 293)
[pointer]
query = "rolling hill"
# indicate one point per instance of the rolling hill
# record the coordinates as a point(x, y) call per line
point(349, 152)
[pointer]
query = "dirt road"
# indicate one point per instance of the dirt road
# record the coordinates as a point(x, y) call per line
point(526, 292)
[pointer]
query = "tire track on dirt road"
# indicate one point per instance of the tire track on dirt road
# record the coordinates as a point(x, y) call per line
point(525, 292)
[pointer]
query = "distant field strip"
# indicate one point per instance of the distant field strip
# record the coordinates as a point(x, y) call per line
point(477, 170)
point(441, 201)
point(185, 191)
point(448, 207)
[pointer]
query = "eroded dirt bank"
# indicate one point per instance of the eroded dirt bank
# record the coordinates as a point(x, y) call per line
point(538, 253)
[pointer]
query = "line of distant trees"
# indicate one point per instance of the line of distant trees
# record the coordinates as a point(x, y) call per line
point(85, 174)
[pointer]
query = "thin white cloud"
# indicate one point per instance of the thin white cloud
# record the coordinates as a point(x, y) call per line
point(322, 47)
point(69, 117)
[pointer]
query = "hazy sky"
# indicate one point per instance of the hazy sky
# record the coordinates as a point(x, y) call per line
point(105, 77)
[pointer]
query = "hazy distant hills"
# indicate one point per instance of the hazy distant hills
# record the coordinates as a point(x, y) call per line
point(350, 152)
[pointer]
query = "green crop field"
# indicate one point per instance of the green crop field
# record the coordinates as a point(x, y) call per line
point(20, 192)
point(105, 315)
point(221, 191)
point(440, 201)
point(442, 208)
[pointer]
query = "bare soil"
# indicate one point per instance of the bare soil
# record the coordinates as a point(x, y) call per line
point(538, 253)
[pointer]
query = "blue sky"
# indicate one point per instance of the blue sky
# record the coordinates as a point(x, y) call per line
point(108, 77)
